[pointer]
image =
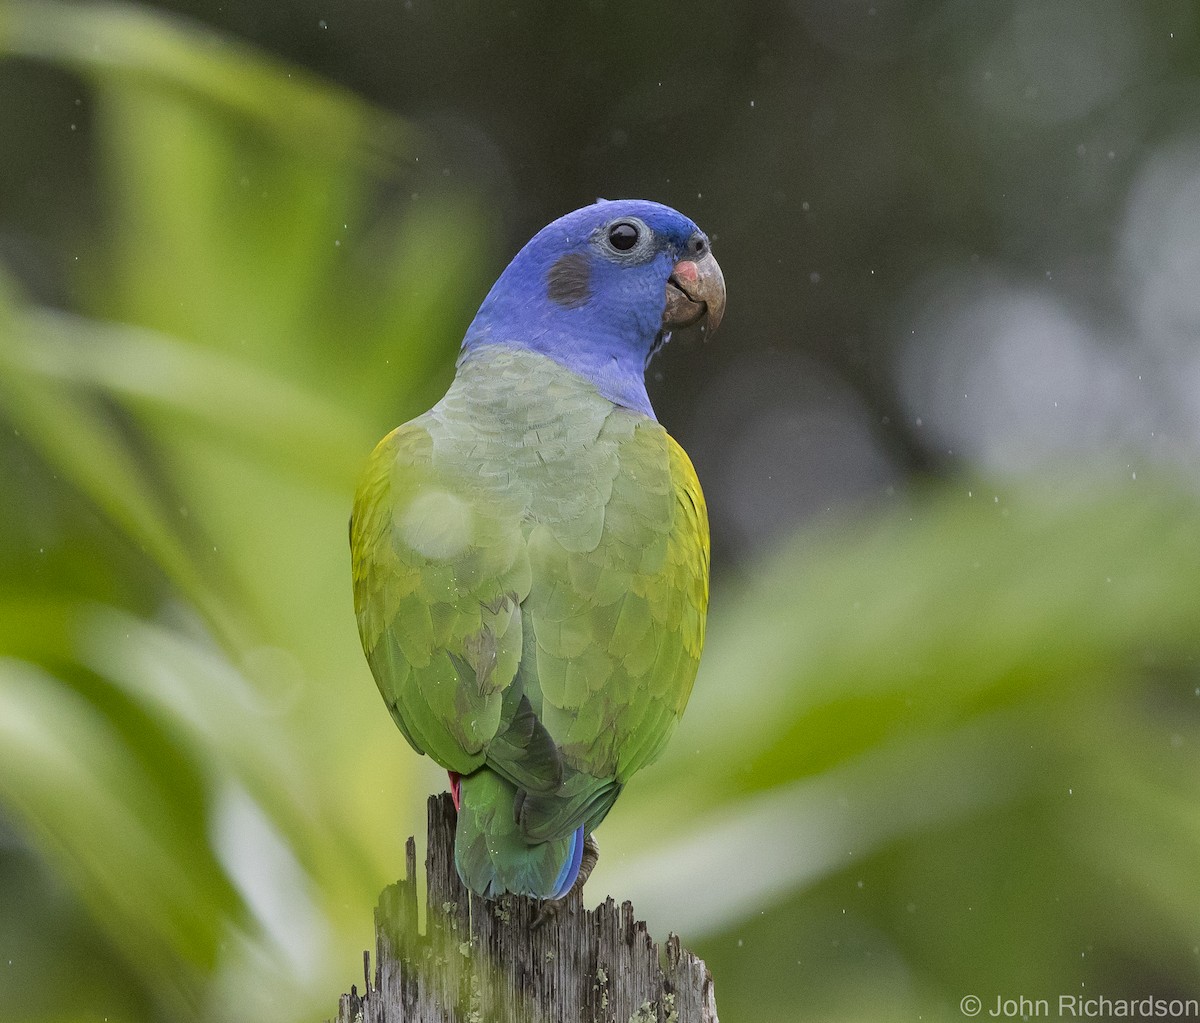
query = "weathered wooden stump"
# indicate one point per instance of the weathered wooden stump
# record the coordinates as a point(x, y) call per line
point(481, 962)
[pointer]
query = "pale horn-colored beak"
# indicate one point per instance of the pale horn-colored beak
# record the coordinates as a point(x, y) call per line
point(695, 292)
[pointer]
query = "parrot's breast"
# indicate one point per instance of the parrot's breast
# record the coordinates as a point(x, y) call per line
point(534, 437)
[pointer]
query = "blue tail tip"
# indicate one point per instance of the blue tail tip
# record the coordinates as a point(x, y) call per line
point(570, 869)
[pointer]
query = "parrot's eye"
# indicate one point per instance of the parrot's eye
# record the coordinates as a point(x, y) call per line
point(623, 236)
point(697, 245)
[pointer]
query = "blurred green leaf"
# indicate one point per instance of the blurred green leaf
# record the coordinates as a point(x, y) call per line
point(140, 52)
point(208, 392)
point(99, 815)
point(75, 432)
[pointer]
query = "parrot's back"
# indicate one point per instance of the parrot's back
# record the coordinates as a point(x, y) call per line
point(531, 580)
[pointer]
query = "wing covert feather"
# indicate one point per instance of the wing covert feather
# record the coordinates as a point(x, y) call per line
point(438, 582)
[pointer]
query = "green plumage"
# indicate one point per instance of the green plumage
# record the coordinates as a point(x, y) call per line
point(530, 579)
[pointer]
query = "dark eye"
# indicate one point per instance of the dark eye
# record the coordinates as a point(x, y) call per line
point(623, 236)
point(698, 245)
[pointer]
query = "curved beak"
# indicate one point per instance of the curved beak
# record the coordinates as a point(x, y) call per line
point(695, 292)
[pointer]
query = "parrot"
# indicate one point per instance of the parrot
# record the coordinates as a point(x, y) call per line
point(530, 557)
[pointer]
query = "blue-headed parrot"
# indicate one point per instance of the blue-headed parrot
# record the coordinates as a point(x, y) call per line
point(530, 556)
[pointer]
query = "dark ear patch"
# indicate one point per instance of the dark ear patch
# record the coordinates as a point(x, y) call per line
point(568, 282)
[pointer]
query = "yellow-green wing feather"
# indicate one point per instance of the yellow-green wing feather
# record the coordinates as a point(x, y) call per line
point(438, 582)
point(618, 626)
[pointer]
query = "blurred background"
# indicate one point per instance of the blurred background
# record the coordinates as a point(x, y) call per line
point(944, 739)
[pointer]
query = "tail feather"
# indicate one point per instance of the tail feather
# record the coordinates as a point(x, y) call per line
point(493, 857)
point(570, 868)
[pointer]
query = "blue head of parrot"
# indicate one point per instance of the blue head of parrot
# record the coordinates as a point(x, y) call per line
point(599, 291)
